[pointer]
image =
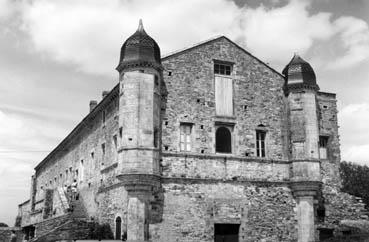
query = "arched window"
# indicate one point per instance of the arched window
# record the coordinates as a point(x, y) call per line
point(223, 140)
point(118, 228)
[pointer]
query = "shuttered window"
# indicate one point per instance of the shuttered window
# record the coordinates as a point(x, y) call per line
point(185, 139)
point(224, 96)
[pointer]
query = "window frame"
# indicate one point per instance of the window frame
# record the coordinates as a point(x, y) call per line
point(260, 144)
point(326, 138)
point(218, 65)
point(230, 128)
point(188, 140)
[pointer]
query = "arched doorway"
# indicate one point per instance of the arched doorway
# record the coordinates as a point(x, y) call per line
point(118, 228)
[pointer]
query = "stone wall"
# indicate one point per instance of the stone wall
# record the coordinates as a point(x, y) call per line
point(328, 125)
point(224, 167)
point(190, 211)
point(258, 98)
point(112, 202)
point(84, 152)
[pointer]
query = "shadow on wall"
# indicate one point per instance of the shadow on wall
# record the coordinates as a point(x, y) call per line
point(100, 232)
point(349, 238)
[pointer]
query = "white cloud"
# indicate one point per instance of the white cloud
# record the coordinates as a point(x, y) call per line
point(354, 120)
point(6, 8)
point(275, 34)
point(90, 33)
point(354, 35)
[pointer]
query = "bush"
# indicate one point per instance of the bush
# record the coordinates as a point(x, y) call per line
point(355, 180)
point(3, 224)
point(100, 231)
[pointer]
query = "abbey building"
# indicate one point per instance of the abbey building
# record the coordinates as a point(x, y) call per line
point(206, 144)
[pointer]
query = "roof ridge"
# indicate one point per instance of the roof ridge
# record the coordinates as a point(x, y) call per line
point(216, 38)
point(191, 46)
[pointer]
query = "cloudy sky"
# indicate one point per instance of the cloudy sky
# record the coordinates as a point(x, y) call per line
point(56, 56)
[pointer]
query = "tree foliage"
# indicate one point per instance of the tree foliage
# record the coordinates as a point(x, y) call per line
point(3, 224)
point(355, 180)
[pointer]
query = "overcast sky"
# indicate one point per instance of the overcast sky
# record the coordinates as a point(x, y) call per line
point(56, 56)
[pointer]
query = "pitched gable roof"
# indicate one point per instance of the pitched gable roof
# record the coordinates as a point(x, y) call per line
point(198, 45)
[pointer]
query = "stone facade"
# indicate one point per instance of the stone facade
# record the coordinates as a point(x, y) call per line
point(133, 174)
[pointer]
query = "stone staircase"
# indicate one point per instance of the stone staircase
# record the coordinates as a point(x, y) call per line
point(73, 224)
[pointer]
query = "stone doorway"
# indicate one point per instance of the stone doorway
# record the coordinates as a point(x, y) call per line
point(226, 232)
point(118, 228)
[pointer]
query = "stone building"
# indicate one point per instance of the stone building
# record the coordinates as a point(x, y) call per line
point(205, 144)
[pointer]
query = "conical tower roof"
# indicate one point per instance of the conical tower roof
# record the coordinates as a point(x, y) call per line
point(139, 50)
point(299, 73)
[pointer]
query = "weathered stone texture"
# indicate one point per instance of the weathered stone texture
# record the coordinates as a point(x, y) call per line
point(183, 194)
point(89, 140)
point(191, 210)
point(257, 96)
point(328, 125)
point(224, 168)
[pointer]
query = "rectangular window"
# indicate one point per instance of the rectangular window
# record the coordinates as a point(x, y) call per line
point(222, 69)
point(82, 169)
point(260, 143)
point(323, 147)
point(226, 232)
point(103, 116)
point(185, 139)
point(103, 148)
point(115, 141)
point(224, 96)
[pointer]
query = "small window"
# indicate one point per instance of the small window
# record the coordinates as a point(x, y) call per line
point(185, 138)
point(223, 140)
point(103, 148)
point(103, 116)
point(260, 143)
point(323, 147)
point(222, 69)
point(115, 141)
point(120, 132)
point(156, 138)
point(92, 155)
point(226, 232)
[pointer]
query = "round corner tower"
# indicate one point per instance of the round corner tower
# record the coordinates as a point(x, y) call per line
point(301, 90)
point(140, 80)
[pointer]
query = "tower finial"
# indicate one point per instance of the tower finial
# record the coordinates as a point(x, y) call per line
point(140, 26)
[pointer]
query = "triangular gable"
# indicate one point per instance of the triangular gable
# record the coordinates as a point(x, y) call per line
point(198, 45)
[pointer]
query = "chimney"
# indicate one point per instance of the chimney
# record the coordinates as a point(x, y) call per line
point(93, 104)
point(104, 93)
